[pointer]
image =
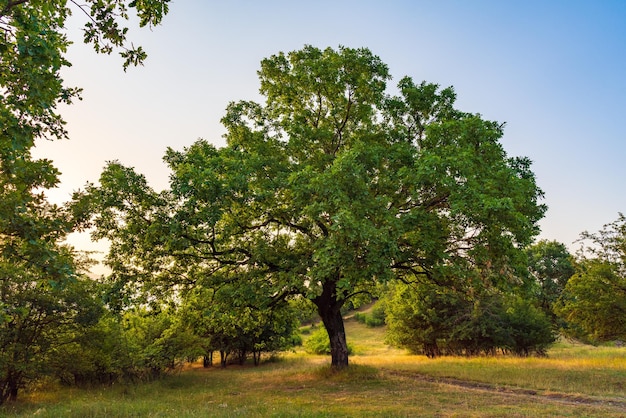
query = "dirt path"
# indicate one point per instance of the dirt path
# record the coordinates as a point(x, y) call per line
point(574, 399)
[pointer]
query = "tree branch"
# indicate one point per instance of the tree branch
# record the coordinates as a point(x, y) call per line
point(322, 227)
point(84, 11)
point(339, 133)
point(10, 5)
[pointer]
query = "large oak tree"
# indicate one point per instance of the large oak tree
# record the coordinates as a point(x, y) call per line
point(327, 188)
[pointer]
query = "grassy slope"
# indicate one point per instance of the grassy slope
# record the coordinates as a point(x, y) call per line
point(572, 381)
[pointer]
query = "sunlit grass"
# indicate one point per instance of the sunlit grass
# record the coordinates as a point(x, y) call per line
point(574, 380)
point(568, 368)
point(297, 388)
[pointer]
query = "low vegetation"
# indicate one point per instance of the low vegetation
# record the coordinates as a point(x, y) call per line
point(434, 320)
point(573, 380)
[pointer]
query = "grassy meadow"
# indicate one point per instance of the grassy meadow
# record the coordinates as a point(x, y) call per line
point(574, 380)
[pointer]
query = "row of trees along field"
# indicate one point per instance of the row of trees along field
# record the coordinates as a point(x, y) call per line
point(327, 191)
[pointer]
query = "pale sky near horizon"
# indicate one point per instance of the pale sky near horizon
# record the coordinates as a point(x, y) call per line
point(554, 71)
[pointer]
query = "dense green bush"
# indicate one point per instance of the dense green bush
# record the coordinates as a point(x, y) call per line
point(101, 354)
point(141, 345)
point(239, 328)
point(433, 320)
point(374, 319)
point(319, 343)
point(529, 328)
point(420, 317)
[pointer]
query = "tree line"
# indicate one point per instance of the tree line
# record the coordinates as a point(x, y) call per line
point(328, 191)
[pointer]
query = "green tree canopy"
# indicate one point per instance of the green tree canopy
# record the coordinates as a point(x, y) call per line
point(39, 277)
point(327, 188)
point(594, 300)
point(32, 54)
point(435, 320)
point(39, 316)
point(551, 265)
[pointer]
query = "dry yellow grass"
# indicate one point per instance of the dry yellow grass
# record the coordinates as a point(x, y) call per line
point(574, 380)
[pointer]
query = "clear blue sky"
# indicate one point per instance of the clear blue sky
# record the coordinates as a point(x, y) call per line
point(554, 71)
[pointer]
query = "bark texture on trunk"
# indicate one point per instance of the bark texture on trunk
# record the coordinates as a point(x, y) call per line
point(338, 344)
point(329, 309)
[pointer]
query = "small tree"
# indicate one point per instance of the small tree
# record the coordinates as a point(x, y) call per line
point(38, 315)
point(529, 328)
point(420, 317)
point(98, 354)
point(594, 300)
point(230, 323)
point(593, 304)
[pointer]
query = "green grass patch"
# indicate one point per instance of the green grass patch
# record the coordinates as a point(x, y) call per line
point(574, 380)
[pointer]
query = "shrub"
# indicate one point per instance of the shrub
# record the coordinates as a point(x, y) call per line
point(530, 329)
point(433, 320)
point(375, 319)
point(319, 343)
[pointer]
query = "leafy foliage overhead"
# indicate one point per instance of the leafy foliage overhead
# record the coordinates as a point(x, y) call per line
point(326, 189)
point(42, 293)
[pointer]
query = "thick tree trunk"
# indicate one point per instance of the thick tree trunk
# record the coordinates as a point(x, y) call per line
point(337, 335)
point(329, 309)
